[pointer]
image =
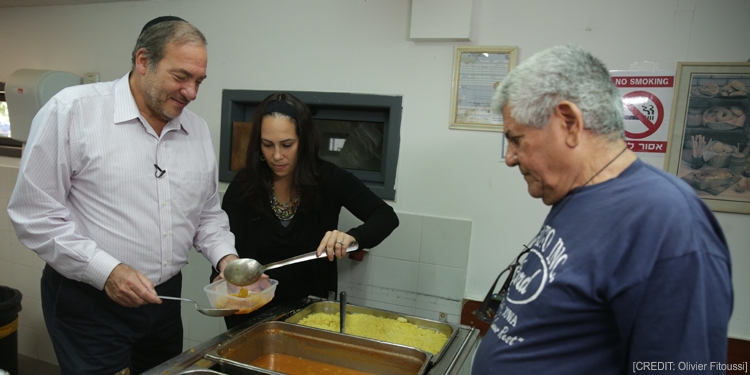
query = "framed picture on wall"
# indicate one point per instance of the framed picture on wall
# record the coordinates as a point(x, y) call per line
point(477, 71)
point(709, 136)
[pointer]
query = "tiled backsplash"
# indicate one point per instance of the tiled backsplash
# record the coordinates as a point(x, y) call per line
point(419, 270)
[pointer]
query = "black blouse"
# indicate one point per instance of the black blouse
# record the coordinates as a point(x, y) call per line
point(263, 238)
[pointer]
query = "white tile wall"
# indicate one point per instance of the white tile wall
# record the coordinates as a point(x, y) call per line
point(198, 327)
point(445, 242)
point(419, 270)
point(395, 281)
point(405, 241)
point(4, 220)
point(21, 269)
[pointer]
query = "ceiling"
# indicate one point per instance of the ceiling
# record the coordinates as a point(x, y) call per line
point(34, 3)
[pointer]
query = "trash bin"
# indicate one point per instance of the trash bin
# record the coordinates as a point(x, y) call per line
point(10, 305)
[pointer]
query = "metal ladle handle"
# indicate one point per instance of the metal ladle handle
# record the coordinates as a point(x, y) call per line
point(177, 299)
point(305, 257)
point(342, 312)
point(182, 299)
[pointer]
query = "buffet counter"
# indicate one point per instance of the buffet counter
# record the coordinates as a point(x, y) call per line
point(276, 332)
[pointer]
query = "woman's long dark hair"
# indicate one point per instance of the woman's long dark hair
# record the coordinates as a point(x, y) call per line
point(306, 174)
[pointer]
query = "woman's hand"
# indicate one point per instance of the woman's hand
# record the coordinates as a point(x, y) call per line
point(334, 243)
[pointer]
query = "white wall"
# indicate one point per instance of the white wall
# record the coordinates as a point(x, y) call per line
point(361, 46)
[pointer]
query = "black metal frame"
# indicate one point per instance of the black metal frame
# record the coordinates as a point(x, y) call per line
point(239, 105)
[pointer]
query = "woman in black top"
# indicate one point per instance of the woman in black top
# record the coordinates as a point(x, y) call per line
point(287, 201)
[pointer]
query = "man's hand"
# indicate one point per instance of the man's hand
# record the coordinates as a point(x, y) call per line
point(228, 259)
point(223, 264)
point(130, 288)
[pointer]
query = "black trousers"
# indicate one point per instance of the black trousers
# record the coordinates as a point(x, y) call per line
point(92, 334)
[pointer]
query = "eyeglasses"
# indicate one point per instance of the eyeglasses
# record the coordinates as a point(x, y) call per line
point(487, 310)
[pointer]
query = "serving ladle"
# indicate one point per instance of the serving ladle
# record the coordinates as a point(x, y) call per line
point(246, 271)
point(204, 310)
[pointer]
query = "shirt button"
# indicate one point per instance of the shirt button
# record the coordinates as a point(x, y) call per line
point(166, 263)
point(166, 234)
point(164, 203)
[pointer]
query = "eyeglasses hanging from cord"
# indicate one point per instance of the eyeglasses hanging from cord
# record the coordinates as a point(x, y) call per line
point(487, 310)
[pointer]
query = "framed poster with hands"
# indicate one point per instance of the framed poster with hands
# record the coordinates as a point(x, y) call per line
point(709, 136)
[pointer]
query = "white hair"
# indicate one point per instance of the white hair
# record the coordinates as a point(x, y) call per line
point(567, 72)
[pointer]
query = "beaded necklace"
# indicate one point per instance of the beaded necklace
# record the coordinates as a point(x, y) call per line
point(287, 210)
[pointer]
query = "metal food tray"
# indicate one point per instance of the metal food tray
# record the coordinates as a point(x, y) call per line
point(324, 347)
point(204, 359)
point(331, 307)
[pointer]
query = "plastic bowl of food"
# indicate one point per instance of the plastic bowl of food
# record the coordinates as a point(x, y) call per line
point(223, 295)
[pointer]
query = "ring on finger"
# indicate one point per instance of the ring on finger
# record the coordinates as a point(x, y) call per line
point(340, 242)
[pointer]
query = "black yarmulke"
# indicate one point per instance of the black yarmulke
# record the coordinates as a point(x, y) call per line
point(160, 20)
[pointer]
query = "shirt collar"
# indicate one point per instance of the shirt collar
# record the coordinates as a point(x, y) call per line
point(126, 109)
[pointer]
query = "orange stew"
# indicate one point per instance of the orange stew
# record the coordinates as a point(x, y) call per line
point(300, 366)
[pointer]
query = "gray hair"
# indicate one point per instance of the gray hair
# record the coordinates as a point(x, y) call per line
point(535, 87)
point(156, 38)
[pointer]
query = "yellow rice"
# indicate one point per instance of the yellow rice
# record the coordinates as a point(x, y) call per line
point(397, 331)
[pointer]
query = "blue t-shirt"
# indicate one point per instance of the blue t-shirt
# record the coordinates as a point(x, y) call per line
point(625, 276)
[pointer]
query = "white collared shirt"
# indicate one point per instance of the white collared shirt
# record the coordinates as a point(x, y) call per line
point(87, 197)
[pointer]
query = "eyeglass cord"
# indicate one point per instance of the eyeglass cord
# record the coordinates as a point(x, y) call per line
point(484, 308)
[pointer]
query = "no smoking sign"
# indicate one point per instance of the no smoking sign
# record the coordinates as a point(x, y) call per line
point(645, 114)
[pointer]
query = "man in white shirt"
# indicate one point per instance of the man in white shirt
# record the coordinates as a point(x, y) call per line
point(117, 182)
